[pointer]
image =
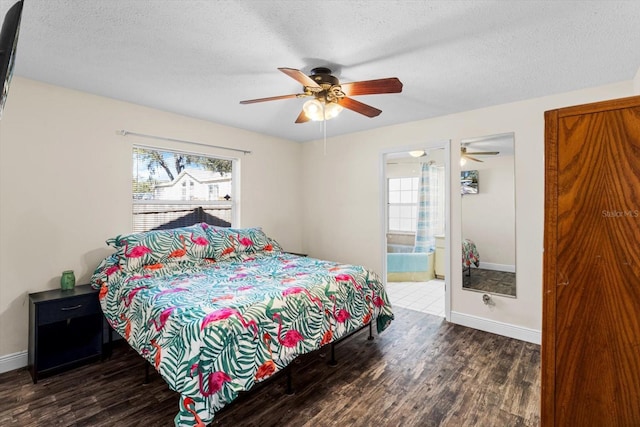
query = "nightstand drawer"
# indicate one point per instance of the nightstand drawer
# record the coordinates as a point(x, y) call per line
point(67, 308)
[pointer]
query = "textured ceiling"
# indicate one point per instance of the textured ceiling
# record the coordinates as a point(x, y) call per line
point(200, 58)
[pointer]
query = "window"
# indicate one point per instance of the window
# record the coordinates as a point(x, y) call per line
point(403, 204)
point(214, 191)
point(174, 189)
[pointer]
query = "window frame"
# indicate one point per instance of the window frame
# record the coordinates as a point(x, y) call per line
point(235, 185)
point(400, 204)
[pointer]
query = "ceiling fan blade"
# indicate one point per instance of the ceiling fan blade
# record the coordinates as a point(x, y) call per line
point(273, 98)
point(302, 117)
point(301, 77)
point(473, 158)
point(372, 87)
point(359, 107)
point(484, 153)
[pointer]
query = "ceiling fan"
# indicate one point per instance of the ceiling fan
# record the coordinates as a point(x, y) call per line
point(330, 96)
point(466, 155)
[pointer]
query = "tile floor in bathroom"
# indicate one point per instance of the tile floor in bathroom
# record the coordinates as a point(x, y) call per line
point(427, 297)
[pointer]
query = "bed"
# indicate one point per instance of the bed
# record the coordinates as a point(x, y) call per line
point(470, 255)
point(217, 310)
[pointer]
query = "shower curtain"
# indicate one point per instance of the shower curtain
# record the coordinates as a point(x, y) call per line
point(429, 222)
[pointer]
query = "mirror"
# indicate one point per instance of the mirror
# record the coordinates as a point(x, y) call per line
point(487, 186)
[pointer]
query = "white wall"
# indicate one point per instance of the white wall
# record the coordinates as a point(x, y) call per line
point(65, 188)
point(342, 219)
point(65, 182)
point(488, 218)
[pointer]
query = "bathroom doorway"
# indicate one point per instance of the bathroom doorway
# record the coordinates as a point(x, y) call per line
point(416, 210)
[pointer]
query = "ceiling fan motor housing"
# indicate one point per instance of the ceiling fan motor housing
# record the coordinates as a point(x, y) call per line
point(331, 90)
point(322, 75)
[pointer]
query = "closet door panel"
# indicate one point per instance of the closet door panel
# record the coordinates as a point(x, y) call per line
point(597, 294)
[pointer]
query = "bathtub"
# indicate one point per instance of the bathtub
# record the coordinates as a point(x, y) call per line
point(396, 248)
point(410, 266)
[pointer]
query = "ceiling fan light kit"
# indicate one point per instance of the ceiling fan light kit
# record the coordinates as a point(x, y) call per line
point(330, 97)
point(315, 108)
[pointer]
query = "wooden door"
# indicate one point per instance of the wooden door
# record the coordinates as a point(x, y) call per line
point(591, 300)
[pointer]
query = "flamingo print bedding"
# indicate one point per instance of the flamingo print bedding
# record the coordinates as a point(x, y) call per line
point(470, 254)
point(215, 323)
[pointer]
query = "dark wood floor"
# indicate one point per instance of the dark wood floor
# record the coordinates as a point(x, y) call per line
point(492, 281)
point(421, 371)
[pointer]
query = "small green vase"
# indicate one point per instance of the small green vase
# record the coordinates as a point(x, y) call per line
point(68, 280)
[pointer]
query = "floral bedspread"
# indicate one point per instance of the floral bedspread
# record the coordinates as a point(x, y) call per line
point(469, 254)
point(214, 329)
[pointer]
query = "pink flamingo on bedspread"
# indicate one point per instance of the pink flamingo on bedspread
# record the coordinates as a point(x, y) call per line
point(377, 301)
point(190, 406)
point(291, 338)
point(138, 277)
point(136, 251)
point(348, 278)
point(162, 319)
point(225, 313)
point(201, 241)
point(169, 291)
point(214, 381)
point(245, 241)
point(112, 269)
point(129, 298)
point(342, 314)
point(298, 290)
point(227, 297)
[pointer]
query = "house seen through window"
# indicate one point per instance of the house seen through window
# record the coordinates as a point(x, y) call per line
point(175, 189)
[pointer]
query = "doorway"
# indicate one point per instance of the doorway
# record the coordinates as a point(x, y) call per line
point(415, 204)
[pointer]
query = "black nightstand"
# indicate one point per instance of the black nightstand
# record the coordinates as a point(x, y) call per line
point(65, 330)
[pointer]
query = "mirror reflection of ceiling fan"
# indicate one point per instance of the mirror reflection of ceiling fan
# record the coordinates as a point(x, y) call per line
point(330, 96)
point(464, 154)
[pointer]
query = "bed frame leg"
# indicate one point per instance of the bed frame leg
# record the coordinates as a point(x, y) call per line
point(370, 337)
point(333, 361)
point(289, 390)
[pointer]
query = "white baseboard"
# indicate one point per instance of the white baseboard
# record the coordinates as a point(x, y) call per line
point(10, 362)
point(499, 328)
point(497, 267)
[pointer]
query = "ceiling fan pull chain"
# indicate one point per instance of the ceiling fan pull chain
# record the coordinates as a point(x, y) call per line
point(324, 130)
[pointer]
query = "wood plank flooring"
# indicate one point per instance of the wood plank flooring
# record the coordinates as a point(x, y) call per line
point(421, 371)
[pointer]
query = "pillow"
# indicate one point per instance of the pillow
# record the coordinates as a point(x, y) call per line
point(107, 268)
point(233, 242)
point(159, 246)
